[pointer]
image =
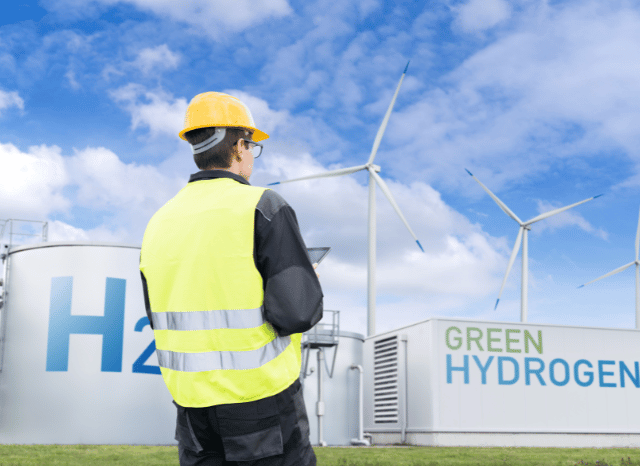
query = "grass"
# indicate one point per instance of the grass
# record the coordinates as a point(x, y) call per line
point(471, 456)
point(135, 455)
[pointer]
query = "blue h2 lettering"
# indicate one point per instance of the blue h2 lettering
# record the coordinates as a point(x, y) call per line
point(62, 324)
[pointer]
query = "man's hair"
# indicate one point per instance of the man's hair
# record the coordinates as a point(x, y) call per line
point(221, 155)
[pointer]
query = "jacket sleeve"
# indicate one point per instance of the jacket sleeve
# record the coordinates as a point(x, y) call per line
point(145, 292)
point(292, 292)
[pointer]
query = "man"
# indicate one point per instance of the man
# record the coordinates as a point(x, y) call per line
point(229, 289)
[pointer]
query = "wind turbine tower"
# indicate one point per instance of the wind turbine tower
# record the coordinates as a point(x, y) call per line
point(522, 237)
point(373, 179)
point(620, 269)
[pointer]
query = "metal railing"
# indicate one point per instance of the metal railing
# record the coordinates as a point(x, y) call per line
point(5, 247)
point(322, 335)
point(12, 221)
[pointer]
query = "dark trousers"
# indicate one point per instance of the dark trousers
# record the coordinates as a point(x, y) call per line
point(273, 431)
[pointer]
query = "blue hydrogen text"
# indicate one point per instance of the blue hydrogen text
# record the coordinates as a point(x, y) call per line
point(559, 372)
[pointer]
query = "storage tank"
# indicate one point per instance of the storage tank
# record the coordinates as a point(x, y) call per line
point(341, 390)
point(78, 363)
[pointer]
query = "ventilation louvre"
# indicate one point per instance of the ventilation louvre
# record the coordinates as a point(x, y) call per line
point(385, 381)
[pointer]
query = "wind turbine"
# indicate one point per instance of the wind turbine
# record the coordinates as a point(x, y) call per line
point(373, 179)
point(522, 237)
point(620, 269)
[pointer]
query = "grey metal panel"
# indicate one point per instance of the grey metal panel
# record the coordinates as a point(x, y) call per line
point(415, 392)
point(386, 383)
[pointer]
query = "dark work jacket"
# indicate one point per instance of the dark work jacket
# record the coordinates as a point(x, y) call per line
point(292, 293)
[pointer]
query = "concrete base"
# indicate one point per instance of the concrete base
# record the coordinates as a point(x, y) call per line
point(498, 439)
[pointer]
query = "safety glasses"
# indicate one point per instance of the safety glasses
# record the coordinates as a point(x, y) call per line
point(254, 147)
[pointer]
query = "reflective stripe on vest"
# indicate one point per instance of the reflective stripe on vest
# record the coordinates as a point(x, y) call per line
point(213, 343)
point(215, 360)
point(199, 320)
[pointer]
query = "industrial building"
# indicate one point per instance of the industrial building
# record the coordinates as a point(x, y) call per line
point(75, 345)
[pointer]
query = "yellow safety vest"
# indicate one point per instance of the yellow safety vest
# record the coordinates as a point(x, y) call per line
point(213, 343)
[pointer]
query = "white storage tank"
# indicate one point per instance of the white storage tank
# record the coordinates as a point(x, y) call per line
point(340, 393)
point(78, 364)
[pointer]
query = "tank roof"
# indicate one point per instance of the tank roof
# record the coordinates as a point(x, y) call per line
point(54, 244)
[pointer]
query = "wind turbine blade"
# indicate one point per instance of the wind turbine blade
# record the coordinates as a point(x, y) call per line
point(514, 253)
point(385, 190)
point(383, 126)
point(501, 204)
point(613, 272)
point(341, 171)
point(638, 238)
point(557, 211)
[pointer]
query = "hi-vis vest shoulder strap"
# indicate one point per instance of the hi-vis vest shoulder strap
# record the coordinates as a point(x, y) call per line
point(206, 296)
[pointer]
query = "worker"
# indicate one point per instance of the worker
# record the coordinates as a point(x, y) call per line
point(229, 289)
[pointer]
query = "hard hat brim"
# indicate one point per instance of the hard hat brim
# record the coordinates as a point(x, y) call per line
point(257, 134)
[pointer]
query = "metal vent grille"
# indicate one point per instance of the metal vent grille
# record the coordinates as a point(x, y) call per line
point(385, 381)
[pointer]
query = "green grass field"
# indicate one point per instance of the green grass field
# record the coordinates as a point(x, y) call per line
point(128, 455)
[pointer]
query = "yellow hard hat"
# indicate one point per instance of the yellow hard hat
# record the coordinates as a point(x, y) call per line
point(215, 109)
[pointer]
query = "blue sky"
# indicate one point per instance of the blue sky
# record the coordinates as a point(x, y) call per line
point(539, 99)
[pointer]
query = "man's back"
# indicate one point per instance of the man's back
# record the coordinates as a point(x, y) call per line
point(228, 291)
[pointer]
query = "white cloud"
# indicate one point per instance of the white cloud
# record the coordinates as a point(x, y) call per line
point(366, 7)
point(563, 82)
point(332, 42)
point(61, 231)
point(565, 219)
point(71, 77)
point(31, 183)
point(42, 184)
point(10, 99)
point(110, 70)
point(211, 17)
point(105, 182)
point(159, 57)
point(216, 16)
point(479, 15)
point(156, 110)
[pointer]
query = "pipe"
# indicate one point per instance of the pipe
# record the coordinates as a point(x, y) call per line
point(524, 300)
point(320, 404)
point(360, 440)
point(637, 298)
point(405, 340)
point(371, 275)
point(3, 310)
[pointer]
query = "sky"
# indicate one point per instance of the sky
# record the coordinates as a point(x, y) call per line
point(539, 99)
